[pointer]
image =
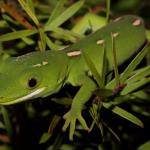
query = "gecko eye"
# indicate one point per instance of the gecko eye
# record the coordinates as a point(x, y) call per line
point(32, 82)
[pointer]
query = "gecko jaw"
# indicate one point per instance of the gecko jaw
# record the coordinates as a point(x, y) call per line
point(26, 97)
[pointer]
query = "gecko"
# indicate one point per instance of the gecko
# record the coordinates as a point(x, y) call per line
point(40, 74)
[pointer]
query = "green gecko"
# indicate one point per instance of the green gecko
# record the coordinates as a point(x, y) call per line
point(40, 74)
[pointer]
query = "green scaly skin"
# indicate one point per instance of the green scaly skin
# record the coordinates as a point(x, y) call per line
point(39, 74)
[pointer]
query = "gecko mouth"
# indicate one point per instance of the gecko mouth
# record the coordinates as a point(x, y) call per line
point(34, 94)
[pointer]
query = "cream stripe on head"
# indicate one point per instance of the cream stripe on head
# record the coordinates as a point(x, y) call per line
point(26, 97)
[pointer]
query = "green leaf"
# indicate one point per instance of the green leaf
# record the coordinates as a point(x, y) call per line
point(7, 121)
point(42, 39)
point(112, 132)
point(25, 39)
point(60, 33)
point(5, 147)
point(52, 45)
point(142, 73)
point(103, 63)
point(124, 114)
point(108, 10)
point(54, 122)
point(93, 69)
point(134, 62)
point(31, 5)
point(134, 86)
point(63, 101)
point(141, 110)
point(44, 138)
point(144, 146)
point(69, 12)
point(148, 58)
point(29, 11)
point(17, 34)
point(130, 68)
point(117, 77)
point(99, 77)
point(57, 10)
point(148, 34)
point(3, 24)
point(28, 41)
point(103, 92)
point(142, 95)
point(2, 126)
point(9, 19)
point(63, 147)
point(94, 112)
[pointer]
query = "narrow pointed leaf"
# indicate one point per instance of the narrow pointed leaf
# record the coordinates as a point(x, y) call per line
point(54, 122)
point(124, 114)
point(31, 5)
point(28, 41)
point(117, 77)
point(60, 33)
point(130, 68)
point(52, 45)
point(69, 12)
point(139, 75)
point(135, 62)
point(103, 92)
point(134, 86)
point(57, 10)
point(29, 11)
point(108, 10)
point(63, 101)
point(144, 146)
point(42, 39)
point(142, 95)
point(7, 121)
point(103, 66)
point(17, 35)
point(44, 138)
point(148, 34)
point(93, 69)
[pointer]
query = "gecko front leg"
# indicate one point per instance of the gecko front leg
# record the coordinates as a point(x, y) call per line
point(79, 100)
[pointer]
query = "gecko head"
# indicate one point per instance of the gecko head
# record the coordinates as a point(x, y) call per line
point(30, 77)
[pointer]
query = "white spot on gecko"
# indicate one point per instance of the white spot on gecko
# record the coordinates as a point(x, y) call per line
point(115, 34)
point(74, 53)
point(99, 42)
point(44, 63)
point(37, 65)
point(137, 22)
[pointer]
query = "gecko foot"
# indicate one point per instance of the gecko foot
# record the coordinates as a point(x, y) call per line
point(70, 120)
